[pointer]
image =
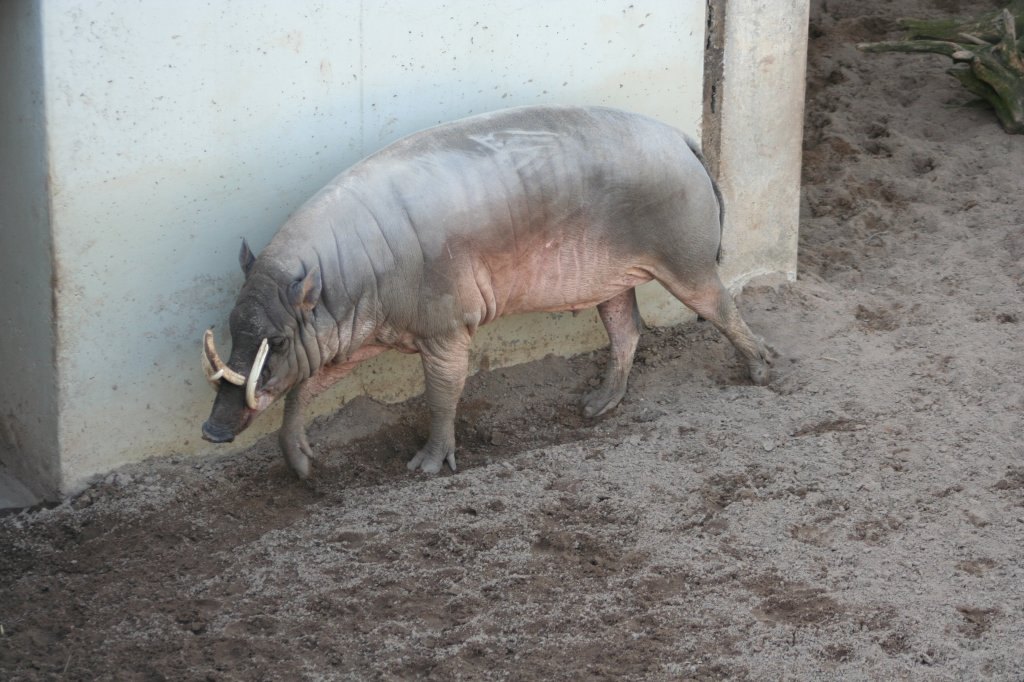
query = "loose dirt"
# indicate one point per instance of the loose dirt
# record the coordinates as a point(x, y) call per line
point(862, 517)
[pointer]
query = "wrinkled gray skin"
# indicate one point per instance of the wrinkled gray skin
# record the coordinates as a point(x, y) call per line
point(413, 248)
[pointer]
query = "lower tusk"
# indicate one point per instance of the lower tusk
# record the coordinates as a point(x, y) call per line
point(254, 375)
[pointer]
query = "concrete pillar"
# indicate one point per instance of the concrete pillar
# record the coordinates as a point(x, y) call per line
point(29, 448)
point(760, 100)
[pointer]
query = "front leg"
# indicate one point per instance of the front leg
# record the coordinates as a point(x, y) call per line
point(292, 436)
point(445, 365)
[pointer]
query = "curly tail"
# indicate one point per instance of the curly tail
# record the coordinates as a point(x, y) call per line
point(695, 148)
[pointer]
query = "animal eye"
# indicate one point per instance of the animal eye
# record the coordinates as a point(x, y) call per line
point(278, 343)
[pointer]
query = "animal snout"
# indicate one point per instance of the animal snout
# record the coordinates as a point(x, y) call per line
point(216, 434)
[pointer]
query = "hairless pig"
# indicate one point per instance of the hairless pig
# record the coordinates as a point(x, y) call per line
point(416, 246)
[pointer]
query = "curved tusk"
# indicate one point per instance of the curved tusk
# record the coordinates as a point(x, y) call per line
point(211, 376)
point(254, 375)
point(214, 366)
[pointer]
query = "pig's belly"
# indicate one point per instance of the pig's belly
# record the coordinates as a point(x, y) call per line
point(565, 280)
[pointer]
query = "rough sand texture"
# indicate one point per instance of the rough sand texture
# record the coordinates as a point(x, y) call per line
point(860, 518)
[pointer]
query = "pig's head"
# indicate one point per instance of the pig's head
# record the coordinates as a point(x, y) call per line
point(268, 356)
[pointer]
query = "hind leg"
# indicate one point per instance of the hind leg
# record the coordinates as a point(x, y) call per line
point(621, 318)
point(712, 301)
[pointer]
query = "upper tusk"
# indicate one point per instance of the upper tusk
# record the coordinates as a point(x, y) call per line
point(254, 375)
point(214, 366)
point(211, 376)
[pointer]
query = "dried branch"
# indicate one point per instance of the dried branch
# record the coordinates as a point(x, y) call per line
point(989, 58)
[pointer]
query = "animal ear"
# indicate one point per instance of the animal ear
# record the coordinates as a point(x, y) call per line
point(245, 258)
point(304, 293)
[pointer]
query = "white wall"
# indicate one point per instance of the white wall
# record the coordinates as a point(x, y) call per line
point(28, 390)
point(175, 129)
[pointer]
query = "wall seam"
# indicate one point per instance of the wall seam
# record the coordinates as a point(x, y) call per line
point(714, 77)
point(58, 486)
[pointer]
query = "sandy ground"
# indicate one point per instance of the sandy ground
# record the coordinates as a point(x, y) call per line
point(860, 518)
